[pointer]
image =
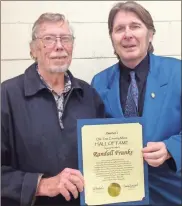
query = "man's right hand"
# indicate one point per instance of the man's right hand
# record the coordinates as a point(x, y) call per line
point(66, 182)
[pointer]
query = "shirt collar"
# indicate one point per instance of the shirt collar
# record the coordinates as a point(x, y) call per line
point(33, 85)
point(141, 69)
point(67, 82)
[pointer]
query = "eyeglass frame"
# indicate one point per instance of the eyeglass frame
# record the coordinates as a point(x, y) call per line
point(55, 40)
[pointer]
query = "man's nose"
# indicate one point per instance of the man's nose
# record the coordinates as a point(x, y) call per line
point(59, 45)
point(128, 33)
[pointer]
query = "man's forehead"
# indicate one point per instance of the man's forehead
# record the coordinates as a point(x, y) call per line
point(46, 26)
point(127, 16)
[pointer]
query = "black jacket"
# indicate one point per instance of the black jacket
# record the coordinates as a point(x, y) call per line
point(32, 139)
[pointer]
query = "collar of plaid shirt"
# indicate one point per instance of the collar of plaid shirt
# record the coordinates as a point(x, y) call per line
point(67, 83)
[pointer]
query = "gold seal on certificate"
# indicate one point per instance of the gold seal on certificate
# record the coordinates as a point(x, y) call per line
point(114, 189)
point(113, 166)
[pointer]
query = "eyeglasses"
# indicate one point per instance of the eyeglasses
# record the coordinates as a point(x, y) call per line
point(50, 40)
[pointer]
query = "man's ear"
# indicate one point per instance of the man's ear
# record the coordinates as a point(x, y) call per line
point(33, 51)
point(151, 34)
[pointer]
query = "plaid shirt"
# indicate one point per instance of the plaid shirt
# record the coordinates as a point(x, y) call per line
point(59, 98)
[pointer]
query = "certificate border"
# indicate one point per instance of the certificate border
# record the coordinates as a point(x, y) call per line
point(83, 122)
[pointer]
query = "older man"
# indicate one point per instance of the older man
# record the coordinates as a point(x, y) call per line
point(149, 86)
point(39, 112)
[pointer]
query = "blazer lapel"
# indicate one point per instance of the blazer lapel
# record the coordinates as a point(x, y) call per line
point(156, 89)
point(113, 93)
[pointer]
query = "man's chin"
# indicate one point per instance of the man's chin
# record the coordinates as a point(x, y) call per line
point(131, 56)
point(61, 69)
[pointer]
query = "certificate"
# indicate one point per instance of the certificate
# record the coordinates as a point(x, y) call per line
point(111, 161)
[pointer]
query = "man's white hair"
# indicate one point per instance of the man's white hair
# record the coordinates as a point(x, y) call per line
point(48, 17)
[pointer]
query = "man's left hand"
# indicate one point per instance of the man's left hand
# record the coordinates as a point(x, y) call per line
point(155, 153)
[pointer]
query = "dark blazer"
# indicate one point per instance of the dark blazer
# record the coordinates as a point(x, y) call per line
point(32, 139)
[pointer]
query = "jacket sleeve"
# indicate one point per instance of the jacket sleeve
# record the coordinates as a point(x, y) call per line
point(173, 145)
point(99, 105)
point(96, 85)
point(16, 185)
